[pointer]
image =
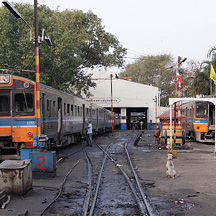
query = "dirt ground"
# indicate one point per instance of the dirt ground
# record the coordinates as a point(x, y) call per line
point(192, 192)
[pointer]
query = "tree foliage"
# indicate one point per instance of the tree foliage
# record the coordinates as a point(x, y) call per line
point(195, 79)
point(79, 42)
point(150, 70)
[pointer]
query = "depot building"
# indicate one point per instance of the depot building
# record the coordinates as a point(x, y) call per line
point(133, 102)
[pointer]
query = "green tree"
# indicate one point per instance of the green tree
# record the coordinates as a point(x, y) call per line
point(79, 43)
point(150, 70)
point(195, 79)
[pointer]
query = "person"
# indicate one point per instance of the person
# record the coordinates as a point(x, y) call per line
point(134, 126)
point(141, 125)
point(157, 135)
point(89, 133)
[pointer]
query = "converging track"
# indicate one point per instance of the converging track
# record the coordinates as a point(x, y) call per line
point(109, 192)
point(134, 186)
point(99, 187)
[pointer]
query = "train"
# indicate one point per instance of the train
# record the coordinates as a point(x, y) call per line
point(200, 120)
point(63, 116)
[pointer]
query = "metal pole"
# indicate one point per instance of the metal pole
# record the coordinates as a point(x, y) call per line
point(111, 103)
point(215, 132)
point(179, 95)
point(155, 112)
point(211, 87)
point(170, 132)
point(37, 69)
point(91, 112)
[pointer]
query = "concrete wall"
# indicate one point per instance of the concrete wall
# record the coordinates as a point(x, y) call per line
point(125, 94)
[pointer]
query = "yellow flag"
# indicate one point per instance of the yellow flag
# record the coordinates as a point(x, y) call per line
point(212, 74)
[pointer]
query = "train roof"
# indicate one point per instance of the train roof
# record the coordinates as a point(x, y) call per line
point(49, 88)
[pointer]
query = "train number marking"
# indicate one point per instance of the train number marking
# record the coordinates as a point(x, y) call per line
point(30, 123)
point(42, 162)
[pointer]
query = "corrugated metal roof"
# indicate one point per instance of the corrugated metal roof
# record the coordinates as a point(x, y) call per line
point(166, 115)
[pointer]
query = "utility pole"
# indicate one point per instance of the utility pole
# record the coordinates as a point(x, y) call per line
point(155, 100)
point(18, 15)
point(180, 60)
point(111, 76)
point(170, 166)
point(37, 69)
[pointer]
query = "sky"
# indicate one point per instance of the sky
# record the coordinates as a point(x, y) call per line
point(183, 28)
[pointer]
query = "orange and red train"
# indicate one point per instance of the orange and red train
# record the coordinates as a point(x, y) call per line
point(63, 116)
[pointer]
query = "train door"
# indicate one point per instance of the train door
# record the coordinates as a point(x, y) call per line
point(211, 115)
point(91, 113)
point(104, 120)
point(83, 127)
point(59, 121)
point(6, 111)
point(97, 119)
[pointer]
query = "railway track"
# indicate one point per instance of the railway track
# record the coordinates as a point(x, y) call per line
point(142, 202)
point(104, 184)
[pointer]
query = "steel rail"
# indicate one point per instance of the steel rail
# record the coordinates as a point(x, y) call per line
point(148, 207)
point(90, 172)
point(67, 156)
point(140, 203)
point(60, 192)
point(98, 181)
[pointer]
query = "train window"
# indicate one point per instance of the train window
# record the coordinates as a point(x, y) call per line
point(64, 108)
point(78, 110)
point(4, 105)
point(183, 111)
point(71, 110)
point(75, 110)
point(101, 114)
point(48, 105)
point(24, 102)
point(201, 110)
point(54, 108)
point(68, 109)
point(49, 110)
point(93, 112)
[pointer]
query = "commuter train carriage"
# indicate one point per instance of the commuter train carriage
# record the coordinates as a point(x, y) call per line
point(63, 116)
point(200, 122)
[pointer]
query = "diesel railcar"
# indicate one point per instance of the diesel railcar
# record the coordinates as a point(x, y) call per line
point(63, 116)
point(200, 121)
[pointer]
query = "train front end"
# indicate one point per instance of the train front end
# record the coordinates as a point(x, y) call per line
point(17, 115)
point(204, 122)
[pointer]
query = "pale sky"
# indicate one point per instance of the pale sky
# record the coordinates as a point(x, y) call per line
point(152, 27)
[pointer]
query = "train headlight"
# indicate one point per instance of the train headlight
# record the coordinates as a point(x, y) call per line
point(4, 79)
point(30, 134)
point(26, 85)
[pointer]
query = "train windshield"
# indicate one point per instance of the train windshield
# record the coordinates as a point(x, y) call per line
point(24, 103)
point(4, 104)
point(201, 110)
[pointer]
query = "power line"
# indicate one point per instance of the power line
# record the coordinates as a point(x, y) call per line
point(136, 53)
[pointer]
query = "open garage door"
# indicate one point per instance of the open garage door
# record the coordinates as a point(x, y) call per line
point(135, 116)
